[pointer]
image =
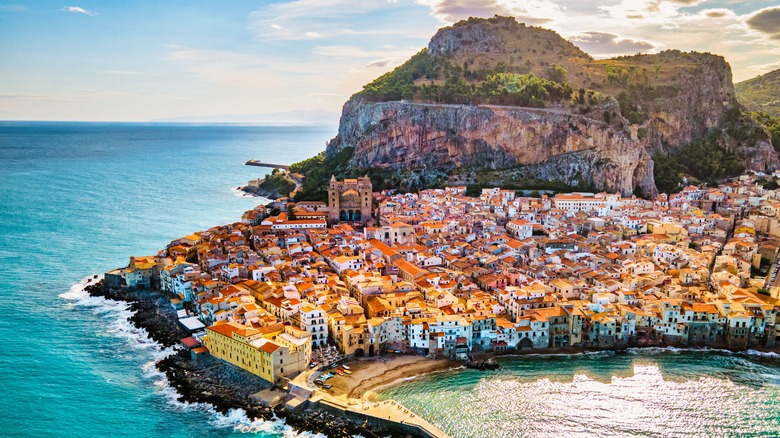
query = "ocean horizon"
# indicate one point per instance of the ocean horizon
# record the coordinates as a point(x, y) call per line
point(78, 199)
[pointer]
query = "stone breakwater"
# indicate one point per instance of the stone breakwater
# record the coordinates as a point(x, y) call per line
point(214, 382)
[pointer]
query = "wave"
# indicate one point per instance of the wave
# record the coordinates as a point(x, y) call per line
point(771, 354)
point(116, 314)
point(239, 422)
point(242, 194)
point(678, 350)
point(660, 350)
point(78, 291)
point(600, 353)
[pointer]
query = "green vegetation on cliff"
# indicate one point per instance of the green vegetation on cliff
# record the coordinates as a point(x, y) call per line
point(277, 184)
point(502, 85)
point(761, 93)
point(319, 169)
point(706, 161)
point(399, 83)
point(772, 126)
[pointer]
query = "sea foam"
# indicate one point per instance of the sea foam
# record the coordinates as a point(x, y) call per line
point(116, 314)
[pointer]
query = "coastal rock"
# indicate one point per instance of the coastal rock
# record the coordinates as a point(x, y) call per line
point(275, 185)
point(482, 365)
point(151, 309)
point(254, 191)
point(211, 381)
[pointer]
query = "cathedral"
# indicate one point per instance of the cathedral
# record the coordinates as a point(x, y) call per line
point(350, 200)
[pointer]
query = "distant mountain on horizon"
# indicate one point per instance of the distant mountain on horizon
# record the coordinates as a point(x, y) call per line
point(286, 118)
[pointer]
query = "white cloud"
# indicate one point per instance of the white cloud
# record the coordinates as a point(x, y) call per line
point(529, 11)
point(764, 68)
point(342, 52)
point(717, 13)
point(767, 21)
point(656, 11)
point(306, 19)
point(609, 44)
point(379, 59)
point(380, 63)
point(79, 10)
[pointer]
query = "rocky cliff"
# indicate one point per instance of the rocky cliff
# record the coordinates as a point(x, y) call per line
point(443, 110)
point(545, 144)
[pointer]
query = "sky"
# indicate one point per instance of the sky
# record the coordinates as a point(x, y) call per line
point(149, 60)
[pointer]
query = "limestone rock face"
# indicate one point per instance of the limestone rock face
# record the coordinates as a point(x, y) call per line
point(679, 97)
point(473, 39)
point(696, 103)
point(550, 144)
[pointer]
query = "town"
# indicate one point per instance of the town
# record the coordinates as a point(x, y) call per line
point(297, 286)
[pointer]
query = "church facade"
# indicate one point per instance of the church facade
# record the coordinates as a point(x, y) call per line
point(350, 200)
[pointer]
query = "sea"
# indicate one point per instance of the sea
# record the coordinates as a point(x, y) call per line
point(77, 199)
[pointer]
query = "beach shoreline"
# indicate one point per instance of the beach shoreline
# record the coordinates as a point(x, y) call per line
point(370, 374)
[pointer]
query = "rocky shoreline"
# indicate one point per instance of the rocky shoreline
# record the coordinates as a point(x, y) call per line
point(214, 382)
point(258, 192)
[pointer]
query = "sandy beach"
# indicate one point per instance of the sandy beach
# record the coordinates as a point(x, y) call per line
point(372, 373)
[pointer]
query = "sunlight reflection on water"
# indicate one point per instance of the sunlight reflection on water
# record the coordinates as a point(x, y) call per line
point(727, 396)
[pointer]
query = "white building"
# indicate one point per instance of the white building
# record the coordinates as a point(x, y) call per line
point(519, 228)
point(313, 320)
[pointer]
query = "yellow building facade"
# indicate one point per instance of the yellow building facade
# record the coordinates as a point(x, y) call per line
point(269, 354)
point(233, 343)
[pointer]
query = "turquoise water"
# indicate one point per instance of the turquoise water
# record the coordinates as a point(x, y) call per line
point(643, 393)
point(78, 199)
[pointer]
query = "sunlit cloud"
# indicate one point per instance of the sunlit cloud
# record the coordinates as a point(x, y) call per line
point(528, 11)
point(764, 68)
point(309, 19)
point(79, 10)
point(380, 63)
point(342, 51)
point(766, 20)
point(608, 44)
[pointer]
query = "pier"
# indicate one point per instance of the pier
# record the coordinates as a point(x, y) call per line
point(259, 163)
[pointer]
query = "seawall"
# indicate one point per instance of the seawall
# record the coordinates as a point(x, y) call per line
point(387, 414)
